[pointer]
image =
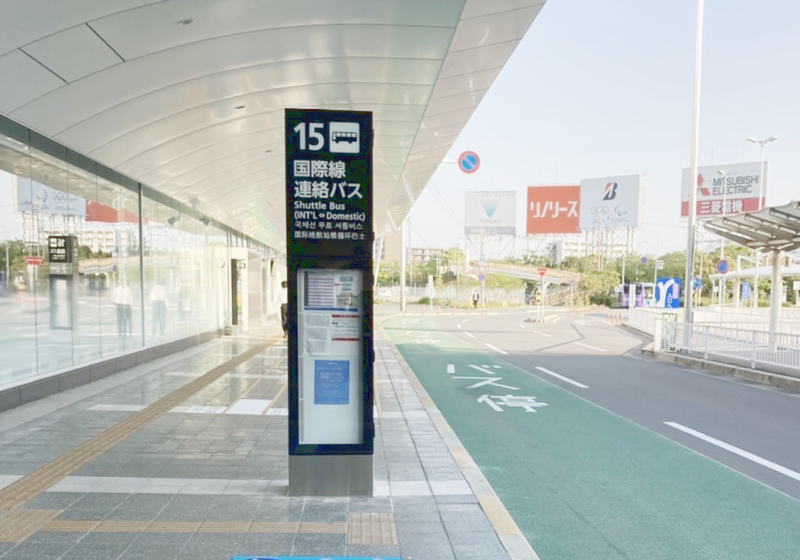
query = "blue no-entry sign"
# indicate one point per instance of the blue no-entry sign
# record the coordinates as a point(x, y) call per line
point(469, 162)
point(723, 266)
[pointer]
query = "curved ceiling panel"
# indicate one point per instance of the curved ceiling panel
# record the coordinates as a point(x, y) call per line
point(188, 96)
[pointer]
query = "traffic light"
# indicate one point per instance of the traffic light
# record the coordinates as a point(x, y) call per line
point(538, 297)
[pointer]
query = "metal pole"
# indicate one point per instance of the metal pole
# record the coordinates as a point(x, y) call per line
point(693, 164)
point(403, 266)
point(757, 253)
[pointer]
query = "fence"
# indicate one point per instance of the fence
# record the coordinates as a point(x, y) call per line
point(644, 318)
point(747, 347)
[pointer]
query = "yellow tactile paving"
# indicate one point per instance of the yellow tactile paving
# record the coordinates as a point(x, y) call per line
point(17, 525)
point(376, 529)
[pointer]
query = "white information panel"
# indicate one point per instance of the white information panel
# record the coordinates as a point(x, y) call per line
point(330, 384)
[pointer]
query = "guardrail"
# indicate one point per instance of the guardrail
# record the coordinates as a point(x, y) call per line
point(738, 346)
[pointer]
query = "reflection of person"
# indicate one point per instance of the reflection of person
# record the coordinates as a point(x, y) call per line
point(123, 300)
point(284, 308)
point(158, 299)
point(475, 298)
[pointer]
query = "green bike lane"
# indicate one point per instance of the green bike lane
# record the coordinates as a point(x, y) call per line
point(582, 482)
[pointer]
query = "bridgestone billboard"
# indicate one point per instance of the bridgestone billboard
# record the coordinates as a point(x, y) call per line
point(490, 213)
point(742, 183)
point(611, 202)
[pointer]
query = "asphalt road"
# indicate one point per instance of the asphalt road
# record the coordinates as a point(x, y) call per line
point(599, 452)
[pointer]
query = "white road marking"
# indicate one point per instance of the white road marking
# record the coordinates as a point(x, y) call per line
point(558, 319)
point(254, 407)
point(487, 400)
point(740, 452)
point(469, 335)
point(493, 381)
point(543, 334)
point(495, 348)
point(481, 369)
point(562, 378)
point(451, 368)
point(522, 325)
point(589, 346)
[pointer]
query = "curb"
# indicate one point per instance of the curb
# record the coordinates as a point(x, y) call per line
point(507, 531)
point(758, 376)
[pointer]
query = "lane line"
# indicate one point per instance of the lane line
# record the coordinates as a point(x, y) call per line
point(592, 347)
point(451, 368)
point(733, 449)
point(495, 348)
point(543, 334)
point(469, 335)
point(562, 378)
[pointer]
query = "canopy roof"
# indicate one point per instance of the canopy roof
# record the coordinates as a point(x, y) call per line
point(775, 228)
point(188, 96)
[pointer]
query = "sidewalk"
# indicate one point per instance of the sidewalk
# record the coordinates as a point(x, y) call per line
point(185, 457)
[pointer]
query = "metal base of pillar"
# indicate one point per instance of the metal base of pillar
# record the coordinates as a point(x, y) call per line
point(330, 475)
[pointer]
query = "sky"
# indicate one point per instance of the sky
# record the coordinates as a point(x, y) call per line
point(602, 89)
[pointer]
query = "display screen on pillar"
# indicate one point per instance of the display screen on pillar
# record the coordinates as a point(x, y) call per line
point(329, 248)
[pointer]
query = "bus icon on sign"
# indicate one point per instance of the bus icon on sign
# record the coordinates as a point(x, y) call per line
point(344, 138)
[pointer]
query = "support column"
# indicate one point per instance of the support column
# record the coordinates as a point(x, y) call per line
point(776, 292)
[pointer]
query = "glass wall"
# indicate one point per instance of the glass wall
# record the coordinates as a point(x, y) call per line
point(94, 265)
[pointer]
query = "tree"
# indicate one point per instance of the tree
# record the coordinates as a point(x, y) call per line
point(599, 282)
point(389, 273)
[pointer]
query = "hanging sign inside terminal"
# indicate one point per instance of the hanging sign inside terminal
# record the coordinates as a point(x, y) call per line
point(328, 155)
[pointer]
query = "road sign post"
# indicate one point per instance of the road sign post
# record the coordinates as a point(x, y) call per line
point(469, 162)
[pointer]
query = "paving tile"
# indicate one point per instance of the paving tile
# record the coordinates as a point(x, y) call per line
point(53, 500)
point(365, 551)
point(211, 547)
point(319, 545)
point(266, 545)
point(280, 508)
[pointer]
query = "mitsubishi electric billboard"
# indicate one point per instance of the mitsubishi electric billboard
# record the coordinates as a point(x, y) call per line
point(490, 213)
point(611, 202)
point(742, 185)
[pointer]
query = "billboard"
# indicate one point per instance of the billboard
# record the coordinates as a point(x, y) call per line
point(36, 197)
point(553, 209)
point(740, 193)
point(490, 213)
point(610, 202)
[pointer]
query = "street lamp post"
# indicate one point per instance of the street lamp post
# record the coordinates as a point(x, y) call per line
point(723, 284)
point(698, 49)
point(762, 193)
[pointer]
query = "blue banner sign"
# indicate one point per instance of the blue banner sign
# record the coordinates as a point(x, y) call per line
point(668, 293)
point(745, 291)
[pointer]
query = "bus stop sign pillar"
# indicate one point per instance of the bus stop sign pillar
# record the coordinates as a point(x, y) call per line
point(329, 244)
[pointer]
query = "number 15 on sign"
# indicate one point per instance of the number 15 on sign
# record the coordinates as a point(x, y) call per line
point(339, 138)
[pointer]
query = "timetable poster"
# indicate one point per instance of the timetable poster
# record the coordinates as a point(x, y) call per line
point(330, 314)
